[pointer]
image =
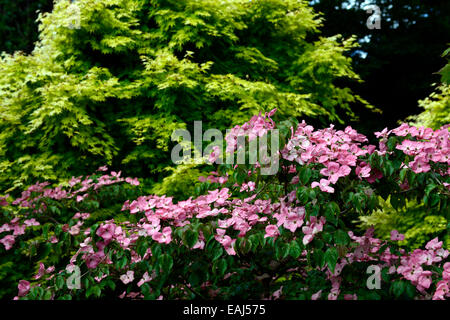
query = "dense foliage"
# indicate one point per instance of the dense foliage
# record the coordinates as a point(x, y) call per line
point(110, 80)
point(244, 235)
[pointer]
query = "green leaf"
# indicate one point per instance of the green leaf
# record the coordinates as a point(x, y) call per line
point(402, 174)
point(398, 287)
point(305, 175)
point(331, 211)
point(294, 249)
point(165, 262)
point(217, 253)
point(341, 237)
point(281, 250)
point(111, 284)
point(410, 290)
point(327, 237)
point(331, 257)
point(121, 263)
point(95, 290)
point(302, 195)
point(156, 250)
point(319, 258)
point(190, 238)
point(220, 266)
point(253, 241)
point(47, 295)
point(145, 289)
point(60, 282)
point(429, 188)
point(194, 278)
point(434, 200)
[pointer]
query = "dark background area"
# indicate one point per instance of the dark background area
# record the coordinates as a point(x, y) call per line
point(398, 62)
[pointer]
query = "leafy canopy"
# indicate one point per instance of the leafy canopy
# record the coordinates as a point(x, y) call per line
point(109, 80)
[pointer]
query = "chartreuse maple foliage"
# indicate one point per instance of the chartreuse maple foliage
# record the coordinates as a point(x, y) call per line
point(417, 222)
point(109, 81)
point(290, 235)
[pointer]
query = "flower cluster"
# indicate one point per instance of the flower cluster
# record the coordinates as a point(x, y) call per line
point(30, 199)
point(336, 151)
point(255, 231)
point(425, 146)
point(257, 126)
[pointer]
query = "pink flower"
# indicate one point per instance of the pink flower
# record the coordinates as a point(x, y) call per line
point(229, 247)
point(334, 293)
point(446, 272)
point(420, 164)
point(3, 201)
point(363, 172)
point(151, 229)
point(442, 290)
point(316, 295)
point(375, 174)
point(384, 133)
point(106, 231)
point(133, 182)
point(313, 227)
point(164, 237)
point(225, 241)
point(8, 241)
point(127, 277)
point(293, 224)
point(408, 147)
point(31, 222)
point(145, 278)
point(334, 171)
point(100, 278)
point(215, 154)
point(272, 231)
point(276, 295)
point(75, 229)
point(434, 244)
point(81, 198)
point(402, 131)
point(323, 185)
point(53, 239)
point(24, 288)
point(424, 279)
point(41, 271)
point(248, 186)
point(396, 236)
point(93, 260)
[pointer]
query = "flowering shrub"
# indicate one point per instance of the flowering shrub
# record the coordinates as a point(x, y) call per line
point(247, 235)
